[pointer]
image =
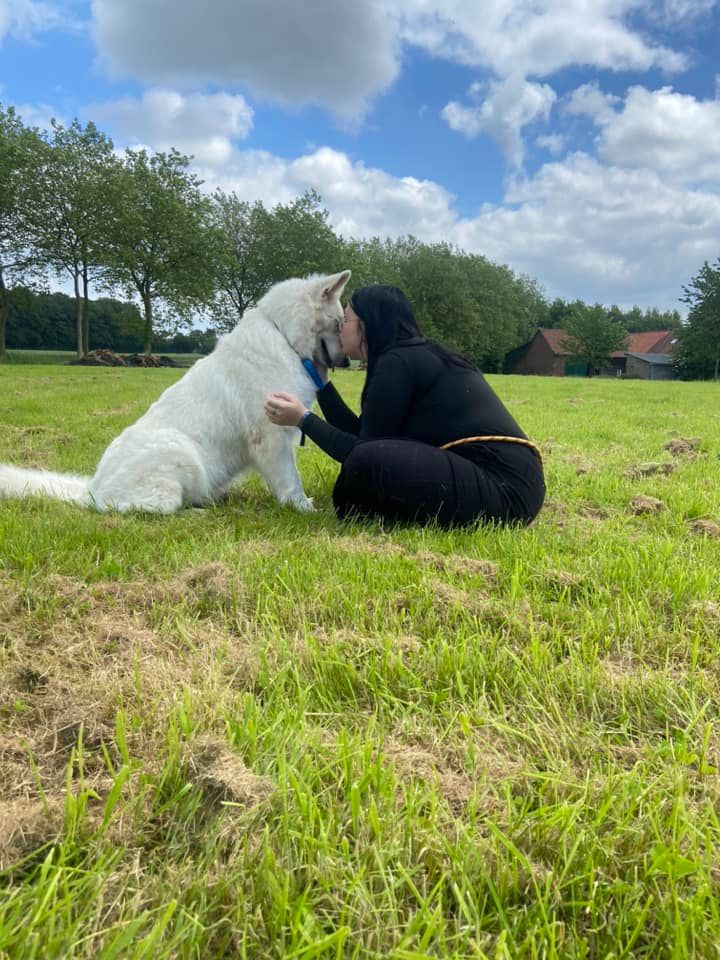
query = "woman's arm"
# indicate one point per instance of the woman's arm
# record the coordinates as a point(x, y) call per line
point(386, 405)
point(336, 411)
point(332, 441)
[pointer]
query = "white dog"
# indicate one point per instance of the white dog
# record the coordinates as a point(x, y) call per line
point(210, 425)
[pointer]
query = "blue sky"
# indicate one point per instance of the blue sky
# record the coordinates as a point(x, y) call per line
point(577, 142)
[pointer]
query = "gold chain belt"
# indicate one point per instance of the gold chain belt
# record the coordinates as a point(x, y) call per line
point(520, 440)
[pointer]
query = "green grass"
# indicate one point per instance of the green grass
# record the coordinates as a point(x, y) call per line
point(63, 356)
point(244, 732)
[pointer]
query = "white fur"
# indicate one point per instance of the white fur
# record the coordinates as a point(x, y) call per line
point(210, 425)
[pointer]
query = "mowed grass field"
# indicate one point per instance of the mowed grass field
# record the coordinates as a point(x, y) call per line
point(243, 732)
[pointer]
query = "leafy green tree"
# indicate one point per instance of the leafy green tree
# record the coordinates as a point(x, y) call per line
point(256, 247)
point(18, 264)
point(698, 355)
point(558, 312)
point(371, 260)
point(47, 321)
point(464, 300)
point(593, 334)
point(637, 320)
point(72, 171)
point(507, 309)
point(158, 245)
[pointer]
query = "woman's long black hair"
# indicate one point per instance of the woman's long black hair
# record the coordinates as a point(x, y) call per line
point(388, 320)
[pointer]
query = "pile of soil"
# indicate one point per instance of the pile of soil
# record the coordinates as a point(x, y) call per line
point(108, 358)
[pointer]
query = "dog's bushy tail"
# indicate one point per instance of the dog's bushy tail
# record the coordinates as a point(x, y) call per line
point(16, 482)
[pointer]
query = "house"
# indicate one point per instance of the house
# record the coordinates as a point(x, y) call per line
point(647, 343)
point(547, 354)
point(544, 356)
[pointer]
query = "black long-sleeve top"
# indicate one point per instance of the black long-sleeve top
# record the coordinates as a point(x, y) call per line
point(414, 394)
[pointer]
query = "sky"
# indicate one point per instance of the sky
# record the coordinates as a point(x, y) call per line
point(576, 141)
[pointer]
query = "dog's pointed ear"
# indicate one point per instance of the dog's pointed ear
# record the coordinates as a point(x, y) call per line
point(334, 285)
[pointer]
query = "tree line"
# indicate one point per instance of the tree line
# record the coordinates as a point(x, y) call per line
point(141, 224)
point(46, 321)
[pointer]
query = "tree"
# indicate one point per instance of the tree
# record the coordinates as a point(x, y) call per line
point(47, 321)
point(158, 245)
point(70, 208)
point(698, 355)
point(17, 263)
point(593, 334)
point(256, 248)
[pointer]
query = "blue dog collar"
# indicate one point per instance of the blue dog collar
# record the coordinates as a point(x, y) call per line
point(312, 372)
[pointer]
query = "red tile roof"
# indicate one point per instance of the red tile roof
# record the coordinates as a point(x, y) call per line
point(649, 341)
point(553, 337)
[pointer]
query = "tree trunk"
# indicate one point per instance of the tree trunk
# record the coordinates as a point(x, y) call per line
point(78, 315)
point(86, 312)
point(717, 366)
point(4, 311)
point(148, 328)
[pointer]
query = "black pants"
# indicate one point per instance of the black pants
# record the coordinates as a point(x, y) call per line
point(409, 481)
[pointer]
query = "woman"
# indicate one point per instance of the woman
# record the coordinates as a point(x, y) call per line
point(433, 442)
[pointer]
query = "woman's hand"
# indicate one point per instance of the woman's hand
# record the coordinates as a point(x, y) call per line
point(283, 409)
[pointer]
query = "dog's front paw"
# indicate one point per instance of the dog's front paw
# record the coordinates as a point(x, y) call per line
point(303, 504)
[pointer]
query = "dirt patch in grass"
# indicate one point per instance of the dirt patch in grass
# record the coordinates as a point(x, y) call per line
point(224, 775)
point(555, 511)
point(707, 610)
point(458, 564)
point(402, 642)
point(448, 596)
point(209, 580)
point(362, 543)
point(582, 465)
point(447, 563)
point(413, 762)
point(683, 446)
point(65, 671)
point(25, 826)
point(594, 512)
point(651, 469)
point(704, 528)
point(641, 504)
point(444, 765)
point(562, 583)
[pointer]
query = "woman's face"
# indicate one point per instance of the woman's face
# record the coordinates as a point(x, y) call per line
point(352, 336)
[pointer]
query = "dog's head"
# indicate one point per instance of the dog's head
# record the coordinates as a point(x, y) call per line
point(329, 316)
point(308, 313)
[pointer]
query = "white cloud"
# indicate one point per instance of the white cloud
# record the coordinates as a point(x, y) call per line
point(602, 233)
point(672, 133)
point(536, 38)
point(203, 125)
point(363, 201)
point(554, 143)
point(23, 18)
point(670, 12)
point(337, 53)
point(588, 100)
point(341, 54)
point(582, 228)
point(510, 105)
